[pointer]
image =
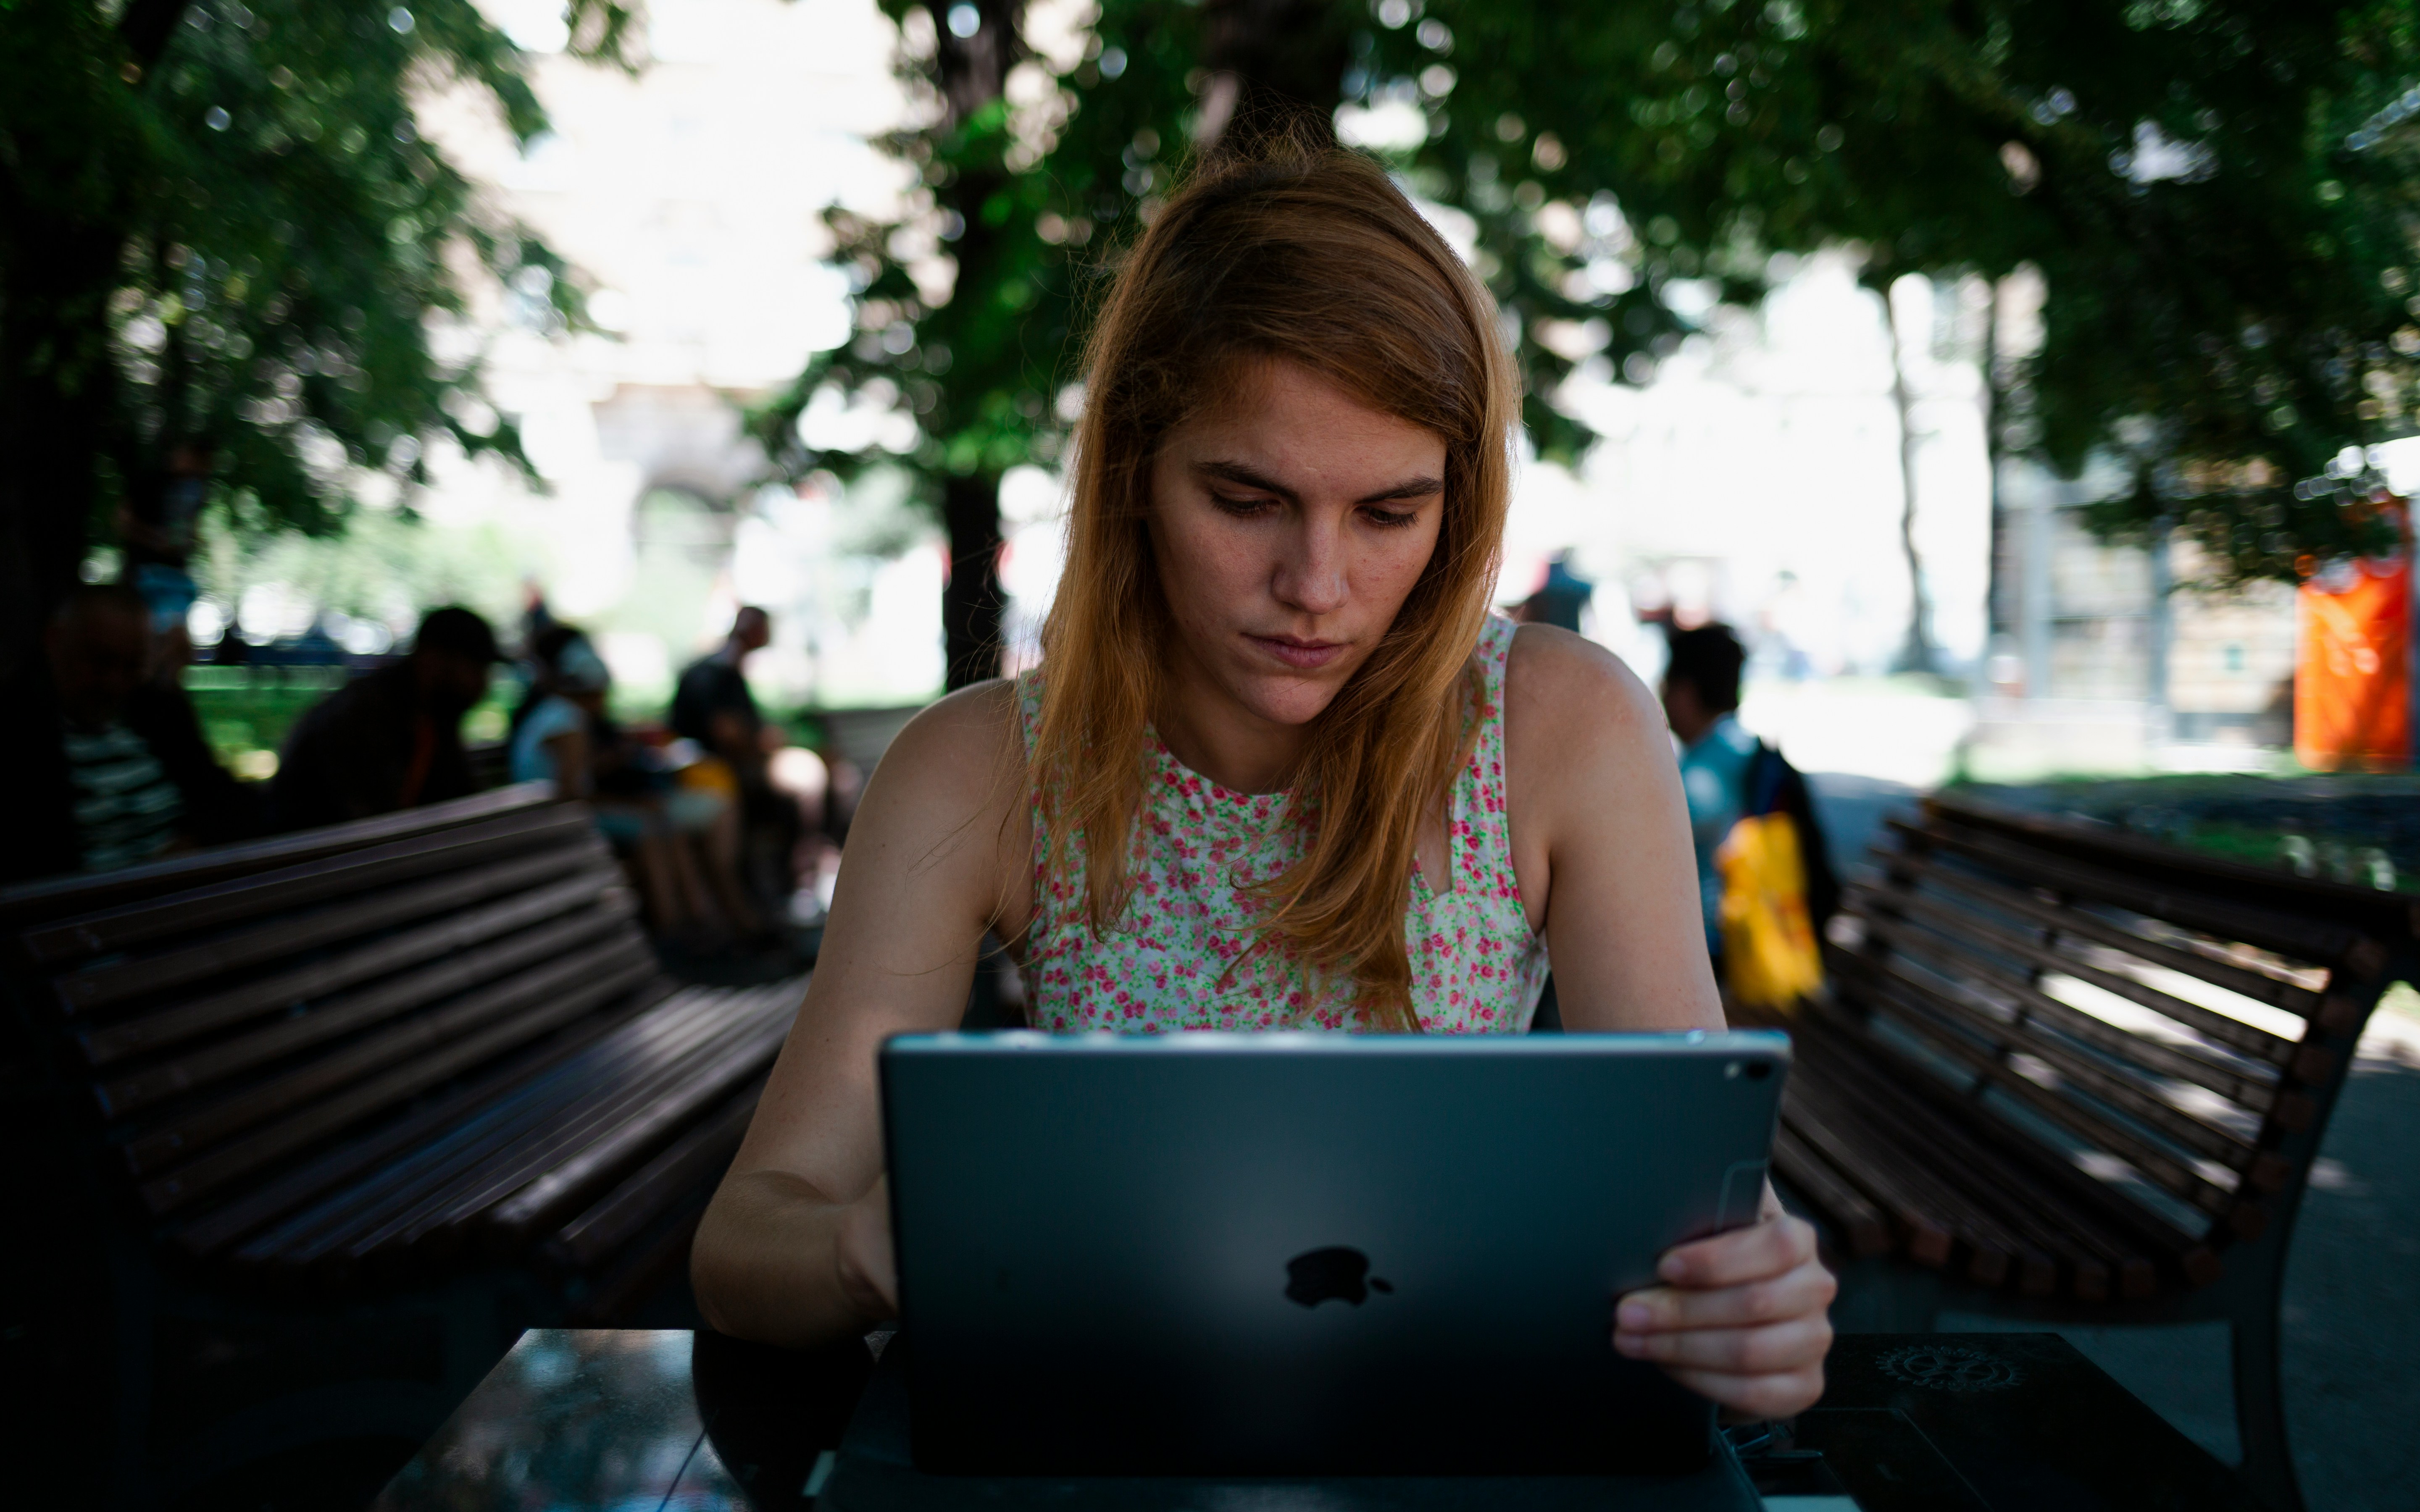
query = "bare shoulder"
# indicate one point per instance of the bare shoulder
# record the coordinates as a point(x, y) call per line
point(942, 811)
point(1562, 689)
point(953, 753)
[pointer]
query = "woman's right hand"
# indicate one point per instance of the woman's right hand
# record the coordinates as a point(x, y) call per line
point(861, 1253)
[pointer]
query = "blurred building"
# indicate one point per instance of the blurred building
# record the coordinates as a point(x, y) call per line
point(2109, 659)
point(689, 197)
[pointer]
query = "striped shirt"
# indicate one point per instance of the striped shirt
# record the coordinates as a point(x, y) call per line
point(126, 808)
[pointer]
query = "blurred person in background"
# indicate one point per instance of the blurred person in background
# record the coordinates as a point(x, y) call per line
point(391, 738)
point(1559, 599)
point(109, 767)
point(678, 840)
point(1727, 774)
point(155, 530)
point(1701, 694)
point(714, 707)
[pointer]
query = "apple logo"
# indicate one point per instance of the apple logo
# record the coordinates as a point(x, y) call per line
point(1339, 1271)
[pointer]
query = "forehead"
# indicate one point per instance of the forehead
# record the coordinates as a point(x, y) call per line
point(1271, 412)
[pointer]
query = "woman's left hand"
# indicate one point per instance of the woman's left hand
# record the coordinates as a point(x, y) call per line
point(1739, 1317)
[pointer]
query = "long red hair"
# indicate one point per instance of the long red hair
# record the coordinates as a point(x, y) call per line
point(1307, 253)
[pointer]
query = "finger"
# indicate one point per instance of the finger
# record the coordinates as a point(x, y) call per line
point(1792, 1344)
point(1752, 1254)
point(1783, 1394)
point(1808, 1288)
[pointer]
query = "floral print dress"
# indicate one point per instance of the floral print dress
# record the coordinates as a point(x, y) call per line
point(1171, 961)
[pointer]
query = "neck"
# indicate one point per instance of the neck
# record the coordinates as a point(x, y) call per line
point(1706, 728)
point(1218, 737)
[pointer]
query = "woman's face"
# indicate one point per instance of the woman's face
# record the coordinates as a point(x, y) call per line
point(1290, 524)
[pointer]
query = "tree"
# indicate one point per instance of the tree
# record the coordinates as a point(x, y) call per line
point(967, 302)
point(2217, 193)
point(971, 299)
point(221, 231)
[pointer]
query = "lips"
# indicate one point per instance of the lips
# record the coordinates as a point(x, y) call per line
point(1301, 654)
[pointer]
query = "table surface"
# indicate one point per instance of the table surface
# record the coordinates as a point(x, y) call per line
point(666, 1419)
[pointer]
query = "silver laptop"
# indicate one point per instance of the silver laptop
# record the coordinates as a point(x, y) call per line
point(1306, 1254)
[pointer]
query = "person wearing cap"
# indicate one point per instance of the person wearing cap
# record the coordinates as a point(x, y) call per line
point(392, 738)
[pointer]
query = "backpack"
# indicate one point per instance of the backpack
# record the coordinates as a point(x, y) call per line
point(1775, 786)
point(1779, 890)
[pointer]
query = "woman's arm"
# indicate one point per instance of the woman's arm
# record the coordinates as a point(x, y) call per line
point(1601, 849)
point(1601, 838)
point(568, 754)
point(795, 1247)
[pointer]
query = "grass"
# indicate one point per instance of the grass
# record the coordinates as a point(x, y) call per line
point(246, 711)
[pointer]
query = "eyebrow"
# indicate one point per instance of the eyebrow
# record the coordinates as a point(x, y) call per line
point(1422, 487)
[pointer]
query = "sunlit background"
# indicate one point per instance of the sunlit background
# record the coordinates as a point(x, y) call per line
point(1758, 474)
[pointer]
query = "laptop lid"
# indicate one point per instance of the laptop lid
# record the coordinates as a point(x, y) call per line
point(1306, 1254)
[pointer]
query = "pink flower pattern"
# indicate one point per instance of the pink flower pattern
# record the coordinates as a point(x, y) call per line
point(1185, 955)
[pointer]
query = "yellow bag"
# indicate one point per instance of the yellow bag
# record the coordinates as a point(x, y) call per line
point(1769, 954)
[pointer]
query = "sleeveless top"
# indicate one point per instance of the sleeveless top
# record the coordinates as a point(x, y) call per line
point(1171, 960)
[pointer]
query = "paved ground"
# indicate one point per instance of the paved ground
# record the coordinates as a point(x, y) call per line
point(2353, 1282)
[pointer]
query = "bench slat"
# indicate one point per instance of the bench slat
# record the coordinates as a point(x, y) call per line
point(99, 986)
point(2321, 944)
point(664, 1036)
point(1991, 1251)
point(733, 1047)
point(2085, 1255)
point(57, 897)
point(213, 1172)
point(2137, 1100)
point(1890, 983)
point(2243, 980)
point(206, 1126)
point(206, 1235)
point(697, 1159)
point(2249, 1085)
point(337, 1016)
point(2277, 891)
point(408, 948)
point(554, 1197)
point(309, 1234)
point(225, 903)
point(1928, 1241)
point(2129, 1235)
point(2052, 1167)
point(2234, 1033)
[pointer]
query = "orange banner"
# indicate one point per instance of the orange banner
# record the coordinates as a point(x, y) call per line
point(2352, 666)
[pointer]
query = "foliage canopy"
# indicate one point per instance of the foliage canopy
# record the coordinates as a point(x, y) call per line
point(2217, 193)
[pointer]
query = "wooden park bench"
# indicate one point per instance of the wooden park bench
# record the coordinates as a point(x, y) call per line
point(413, 1084)
point(2085, 1075)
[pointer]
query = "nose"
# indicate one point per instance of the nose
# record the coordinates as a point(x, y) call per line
point(1311, 574)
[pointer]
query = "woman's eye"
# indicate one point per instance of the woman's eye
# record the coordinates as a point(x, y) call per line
point(1239, 506)
point(1390, 519)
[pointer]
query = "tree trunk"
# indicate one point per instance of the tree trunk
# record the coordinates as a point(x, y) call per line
point(1272, 62)
point(1917, 655)
point(58, 387)
point(972, 598)
point(58, 391)
point(973, 72)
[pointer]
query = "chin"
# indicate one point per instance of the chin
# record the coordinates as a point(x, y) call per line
point(1288, 701)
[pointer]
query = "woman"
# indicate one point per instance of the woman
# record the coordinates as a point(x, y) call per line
point(1347, 796)
point(675, 841)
